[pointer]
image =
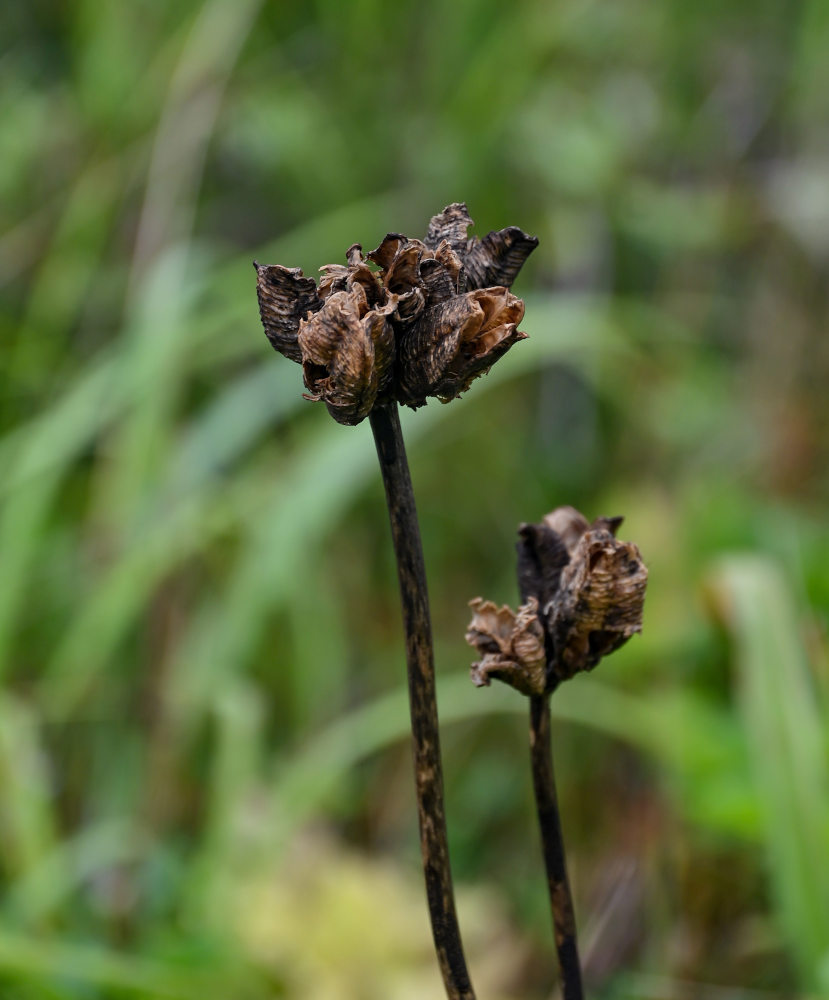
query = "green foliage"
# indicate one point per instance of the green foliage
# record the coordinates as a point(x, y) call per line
point(199, 639)
point(782, 712)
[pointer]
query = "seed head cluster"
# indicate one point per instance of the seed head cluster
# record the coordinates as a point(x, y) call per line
point(409, 320)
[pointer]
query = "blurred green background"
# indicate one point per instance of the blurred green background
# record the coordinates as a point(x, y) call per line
point(205, 786)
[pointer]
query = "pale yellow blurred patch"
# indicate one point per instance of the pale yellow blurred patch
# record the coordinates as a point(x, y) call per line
point(338, 925)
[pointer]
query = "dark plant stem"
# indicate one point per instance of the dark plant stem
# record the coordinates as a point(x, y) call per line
point(385, 423)
point(552, 842)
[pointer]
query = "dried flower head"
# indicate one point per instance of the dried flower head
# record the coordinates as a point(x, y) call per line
point(432, 317)
point(586, 589)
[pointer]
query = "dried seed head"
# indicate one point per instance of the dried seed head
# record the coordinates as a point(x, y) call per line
point(422, 325)
point(589, 588)
point(511, 646)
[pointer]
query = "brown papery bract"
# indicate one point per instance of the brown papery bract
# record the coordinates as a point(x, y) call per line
point(285, 298)
point(511, 646)
point(347, 352)
point(456, 341)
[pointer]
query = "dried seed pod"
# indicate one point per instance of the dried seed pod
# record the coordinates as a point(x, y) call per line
point(589, 588)
point(511, 646)
point(494, 260)
point(347, 354)
point(285, 298)
point(598, 605)
point(542, 555)
point(454, 342)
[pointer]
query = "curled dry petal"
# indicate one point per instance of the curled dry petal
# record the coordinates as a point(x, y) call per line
point(334, 278)
point(385, 253)
point(454, 342)
point(511, 646)
point(452, 225)
point(404, 271)
point(408, 306)
point(408, 266)
point(347, 354)
point(446, 256)
point(341, 278)
point(494, 260)
point(498, 257)
point(285, 298)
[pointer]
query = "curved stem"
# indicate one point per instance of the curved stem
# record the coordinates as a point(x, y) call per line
point(552, 842)
point(385, 423)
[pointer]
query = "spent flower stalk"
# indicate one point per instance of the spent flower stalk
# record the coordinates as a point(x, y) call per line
point(410, 320)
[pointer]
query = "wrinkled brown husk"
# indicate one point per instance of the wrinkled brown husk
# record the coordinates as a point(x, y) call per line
point(456, 341)
point(494, 260)
point(347, 354)
point(285, 297)
point(511, 645)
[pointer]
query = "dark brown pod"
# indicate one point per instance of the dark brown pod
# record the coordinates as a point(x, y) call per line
point(347, 354)
point(454, 342)
point(598, 605)
point(285, 297)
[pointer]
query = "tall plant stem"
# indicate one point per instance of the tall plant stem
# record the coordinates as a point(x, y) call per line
point(385, 423)
point(552, 842)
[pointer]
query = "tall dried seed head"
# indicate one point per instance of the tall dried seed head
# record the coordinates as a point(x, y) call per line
point(434, 316)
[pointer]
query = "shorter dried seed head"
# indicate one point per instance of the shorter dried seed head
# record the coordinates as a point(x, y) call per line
point(588, 587)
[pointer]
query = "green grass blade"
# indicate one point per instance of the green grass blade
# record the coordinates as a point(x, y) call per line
point(782, 717)
point(27, 822)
